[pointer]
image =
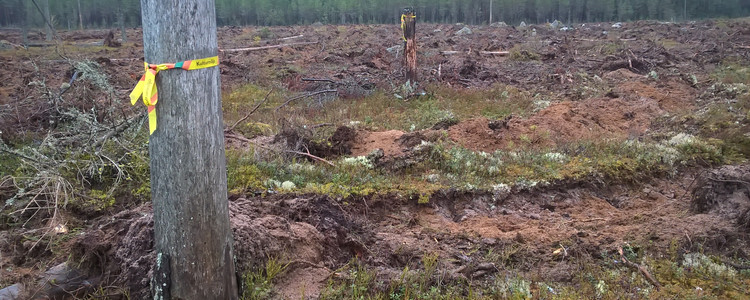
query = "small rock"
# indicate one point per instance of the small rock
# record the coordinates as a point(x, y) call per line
point(468, 213)
point(499, 24)
point(523, 24)
point(464, 31)
point(556, 24)
point(489, 241)
point(5, 45)
point(11, 292)
point(433, 178)
point(534, 216)
point(376, 155)
point(617, 25)
point(395, 49)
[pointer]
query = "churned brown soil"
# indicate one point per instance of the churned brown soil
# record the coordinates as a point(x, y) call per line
point(318, 234)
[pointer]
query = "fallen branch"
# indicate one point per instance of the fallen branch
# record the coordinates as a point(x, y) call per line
point(292, 37)
point(250, 113)
point(267, 47)
point(736, 266)
point(318, 80)
point(587, 220)
point(747, 184)
point(474, 271)
point(15, 45)
point(640, 268)
point(307, 263)
point(244, 139)
point(501, 53)
point(66, 88)
point(39, 45)
point(322, 125)
point(305, 96)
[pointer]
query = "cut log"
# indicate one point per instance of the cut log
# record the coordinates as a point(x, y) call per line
point(501, 53)
point(292, 37)
point(267, 47)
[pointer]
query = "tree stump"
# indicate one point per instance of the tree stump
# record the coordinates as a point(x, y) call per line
point(110, 41)
point(408, 25)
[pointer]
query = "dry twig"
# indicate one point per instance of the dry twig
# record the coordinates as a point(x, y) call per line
point(250, 113)
point(318, 80)
point(640, 268)
point(267, 47)
point(305, 96)
point(244, 139)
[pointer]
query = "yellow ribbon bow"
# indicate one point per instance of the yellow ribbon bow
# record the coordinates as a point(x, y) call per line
point(403, 24)
point(146, 87)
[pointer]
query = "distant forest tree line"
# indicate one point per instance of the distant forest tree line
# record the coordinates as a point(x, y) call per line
point(76, 14)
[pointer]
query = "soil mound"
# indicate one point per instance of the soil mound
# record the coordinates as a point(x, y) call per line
point(558, 124)
point(316, 234)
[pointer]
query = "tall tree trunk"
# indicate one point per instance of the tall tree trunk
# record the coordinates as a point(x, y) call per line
point(24, 17)
point(193, 238)
point(123, 31)
point(47, 20)
point(490, 12)
point(616, 13)
point(80, 16)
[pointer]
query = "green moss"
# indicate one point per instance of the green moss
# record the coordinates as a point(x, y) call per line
point(10, 165)
point(258, 284)
point(96, 200)
point(733, 70)
point(668, 43)
point(246, 177)
point(521, 52)
point(611, 48)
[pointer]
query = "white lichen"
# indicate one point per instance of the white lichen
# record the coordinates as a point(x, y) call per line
point(358, 161)
point(288, 186)
point(556, 157)
point(681, 139)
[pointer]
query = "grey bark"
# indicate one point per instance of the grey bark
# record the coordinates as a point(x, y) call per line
point(47, 20)
point(80, 16)
point(123, 31)
point(24, 22)
point(490, 12)
point(188, 164)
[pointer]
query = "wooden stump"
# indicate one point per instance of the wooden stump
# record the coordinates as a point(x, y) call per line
point(110, 41)
point(408, 25)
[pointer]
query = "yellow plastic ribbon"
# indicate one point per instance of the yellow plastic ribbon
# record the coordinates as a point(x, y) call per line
point(403, 24)
point(146, 87)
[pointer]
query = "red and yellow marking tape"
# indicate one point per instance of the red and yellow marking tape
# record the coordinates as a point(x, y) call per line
point(146, 87)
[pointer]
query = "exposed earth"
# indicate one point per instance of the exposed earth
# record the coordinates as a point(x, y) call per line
point(629, 83)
